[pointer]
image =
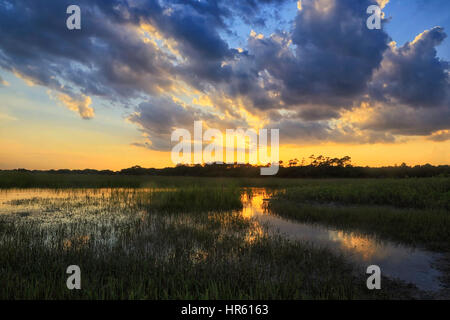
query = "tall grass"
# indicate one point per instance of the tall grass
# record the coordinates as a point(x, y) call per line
point(132, 244)
point(195, 199)
point(413, 211)
point(428, 193)
point(411, 192)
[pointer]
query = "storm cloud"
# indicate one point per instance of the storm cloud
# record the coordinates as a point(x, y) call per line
point(413, 74)
point(151, 55)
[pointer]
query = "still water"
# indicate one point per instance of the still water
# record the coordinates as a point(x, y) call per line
point(412, 265)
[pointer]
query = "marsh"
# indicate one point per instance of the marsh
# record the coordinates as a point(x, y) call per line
point(200, 238)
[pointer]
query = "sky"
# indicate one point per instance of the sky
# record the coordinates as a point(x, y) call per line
point(110, 95)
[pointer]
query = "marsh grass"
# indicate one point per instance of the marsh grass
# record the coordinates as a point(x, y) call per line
point(428, 193)
point(196, 199)
point(414, 211)
point(143, 244)
point(423, 193)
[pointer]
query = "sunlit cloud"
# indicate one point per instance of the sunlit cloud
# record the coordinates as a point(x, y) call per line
point(382, 3)
point(81, 105)
point(3, 82)
point(442, 135)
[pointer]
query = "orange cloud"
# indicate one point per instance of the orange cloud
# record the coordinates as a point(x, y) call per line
point(80, 104)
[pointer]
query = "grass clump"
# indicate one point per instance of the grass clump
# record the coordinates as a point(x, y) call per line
point(194, 199)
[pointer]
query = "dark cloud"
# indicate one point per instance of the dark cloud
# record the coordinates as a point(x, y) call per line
point(406, 120)
point(413, 74)
point(413, 85)
point(337, 63)
point(295, 131)
point(318, 113)
point(327, 59)
point(252, 12)
point(106, 58)
point(301, 80)
point(195, 34)
point(159, 117)
point(321, 66)
point(336, 52)
point(440, 136)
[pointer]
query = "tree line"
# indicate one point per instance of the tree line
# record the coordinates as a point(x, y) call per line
point(313, 167)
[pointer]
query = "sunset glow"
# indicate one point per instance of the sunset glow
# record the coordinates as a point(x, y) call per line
point(109, 96)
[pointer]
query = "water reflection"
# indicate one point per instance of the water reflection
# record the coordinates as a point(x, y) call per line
point(111, 207)
point(396, 261)
point(27, 201)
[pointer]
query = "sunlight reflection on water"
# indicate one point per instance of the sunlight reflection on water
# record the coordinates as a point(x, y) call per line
point(409, 264)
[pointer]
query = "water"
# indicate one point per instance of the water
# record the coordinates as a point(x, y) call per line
point(412, 265)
